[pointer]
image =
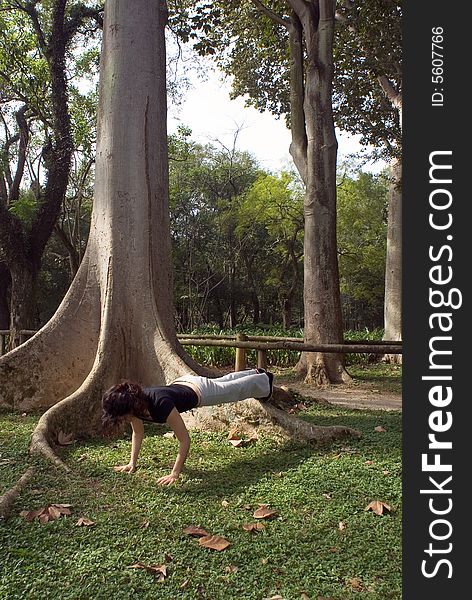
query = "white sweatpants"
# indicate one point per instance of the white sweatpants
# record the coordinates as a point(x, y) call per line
point(229, 388)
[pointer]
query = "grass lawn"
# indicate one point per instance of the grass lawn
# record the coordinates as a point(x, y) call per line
point(301, 553)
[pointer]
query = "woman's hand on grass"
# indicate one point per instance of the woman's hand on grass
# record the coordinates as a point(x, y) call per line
point(129, 468)
point(167, 479)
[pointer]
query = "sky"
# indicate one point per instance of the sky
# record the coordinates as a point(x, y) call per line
point(211, 115)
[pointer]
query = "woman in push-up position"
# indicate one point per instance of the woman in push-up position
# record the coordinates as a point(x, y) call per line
point(132, 403)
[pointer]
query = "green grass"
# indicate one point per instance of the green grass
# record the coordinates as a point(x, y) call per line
point(302, 550)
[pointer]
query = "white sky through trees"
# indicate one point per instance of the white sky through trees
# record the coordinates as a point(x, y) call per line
point(208, 111)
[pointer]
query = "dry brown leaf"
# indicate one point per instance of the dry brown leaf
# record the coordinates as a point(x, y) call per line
point(379, 429)
point(327, 496)
point(144, 524)
point(263, 512)
point(64, 439)
point(231, 569)
point(63, 508)
point(253, 527)
point(224, 503)
point(195, 531)
point(214, 542)
point(54, 512)
point(264, 561)
point(355, 583)
point(378, 507)
point(160, 570)
point(386, 472)
point(85, 522)
point(304, 596)
point(333, 549)
point(277, 597)
point(236, 442)
point(184, 584)
point(43, 518)
point(29, 515)
point(169, 434)
point(369, 462)
point(341, 525)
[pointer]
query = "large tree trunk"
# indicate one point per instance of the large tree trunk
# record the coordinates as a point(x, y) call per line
point(393, 267)
point(117, 320)
point(323, 316)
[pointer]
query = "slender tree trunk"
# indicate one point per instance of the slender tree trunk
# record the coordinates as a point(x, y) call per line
point(323, 316)
point(286, 313)
point(5, 281)
point(23, 314)
point(393, 267)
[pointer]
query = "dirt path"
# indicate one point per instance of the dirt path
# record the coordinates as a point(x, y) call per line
point(353, 396)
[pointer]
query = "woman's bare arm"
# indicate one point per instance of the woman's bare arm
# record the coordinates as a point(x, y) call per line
point(136, 441)
point(177, 425)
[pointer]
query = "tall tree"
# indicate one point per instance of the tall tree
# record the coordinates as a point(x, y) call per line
point(117, 319)
point(303, 32)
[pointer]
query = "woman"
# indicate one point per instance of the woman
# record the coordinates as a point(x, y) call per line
point(132, 403)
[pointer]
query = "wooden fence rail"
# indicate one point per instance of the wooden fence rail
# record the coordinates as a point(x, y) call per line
point(263, 344)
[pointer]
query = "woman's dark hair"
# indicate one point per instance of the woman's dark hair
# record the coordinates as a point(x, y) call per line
point(126, 398)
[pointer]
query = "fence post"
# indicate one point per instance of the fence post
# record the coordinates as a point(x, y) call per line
point(240, 353)
point(262, 359)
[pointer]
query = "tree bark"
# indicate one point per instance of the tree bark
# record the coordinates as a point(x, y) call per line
point(323, 317)
point(393, 267)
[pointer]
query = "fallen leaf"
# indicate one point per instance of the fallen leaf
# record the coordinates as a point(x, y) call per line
point(264, 561)
point(64, 439)
point(333, 549)
point(263, 512)
point(82, 457)
point(355, 583)
point(54, 512)
point(385, 472)
point(278, 597)
point(369, 462)
point(236, 442)
point(160, 570)
point(341, 525)
point(63, 508)
point(247, 507)
point(379, 428)
point(29, 515)
point(301, 406)
point(231, 569)
point(378, 507)
point(214, 542)
point(144, 524)
point(184, 584)
point(224, 503)
point(195, 531)
point(169, 434)
point(47, 513)
point(327, 496)
point(84, 522)
point(304, 596)
point(253, 527)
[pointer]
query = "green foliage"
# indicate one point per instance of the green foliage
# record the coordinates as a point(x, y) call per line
point(25, 207)
point(362, 209)
point(225, 356)
point(302, 549)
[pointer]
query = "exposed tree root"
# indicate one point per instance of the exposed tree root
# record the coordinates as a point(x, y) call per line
point(9, 498)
